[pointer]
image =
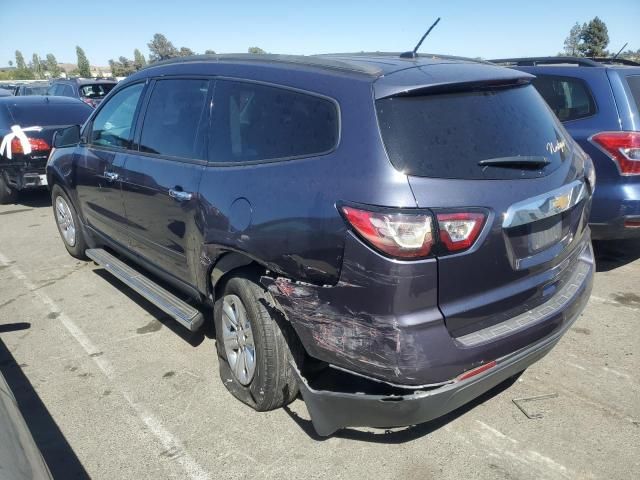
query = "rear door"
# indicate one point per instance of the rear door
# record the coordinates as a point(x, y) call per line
point(161, 179)
point(100, 162)
point(466, 150)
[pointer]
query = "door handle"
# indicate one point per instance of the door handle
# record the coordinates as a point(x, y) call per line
point(111, 176)
point(180, 196)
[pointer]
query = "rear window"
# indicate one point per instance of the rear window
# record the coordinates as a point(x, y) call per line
point(569, 98)
point(446, 135)
point(98, 90)
point(634, 85)
point(44, 115)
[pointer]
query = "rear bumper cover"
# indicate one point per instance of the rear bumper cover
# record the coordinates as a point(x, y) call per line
point(331, 411)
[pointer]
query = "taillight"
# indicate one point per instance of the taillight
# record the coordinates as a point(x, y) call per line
point(89, 102)
point(37, 145)
point(400, 235)
point(458, 231)
point(623, 148)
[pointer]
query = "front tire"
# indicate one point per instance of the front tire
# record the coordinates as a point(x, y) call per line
point(255, 357)
point(69, 225)
point(7, 194)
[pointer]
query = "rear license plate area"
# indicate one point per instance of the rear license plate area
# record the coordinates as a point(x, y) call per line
point(541, 239)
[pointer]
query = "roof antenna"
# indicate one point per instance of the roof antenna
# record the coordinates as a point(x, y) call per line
point(620, 51)
point(413, 53)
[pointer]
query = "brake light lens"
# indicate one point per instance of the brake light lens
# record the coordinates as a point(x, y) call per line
point(37, 145)
point(622, 147)
point(397, 234)
point(89, 102)
point(458, 231)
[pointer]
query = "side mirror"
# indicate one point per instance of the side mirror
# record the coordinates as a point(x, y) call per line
point(66, 137)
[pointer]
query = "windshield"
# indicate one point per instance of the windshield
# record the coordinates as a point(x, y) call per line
point(446, 135)
point(44, 115)
point(97, 90)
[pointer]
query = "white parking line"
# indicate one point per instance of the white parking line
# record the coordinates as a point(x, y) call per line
point(154, 426)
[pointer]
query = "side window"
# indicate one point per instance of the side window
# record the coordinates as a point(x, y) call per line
point(173, 120)
point(53, 89)
point(67, 91)
point(569, 98)
point(257, 122)
point(112, 126)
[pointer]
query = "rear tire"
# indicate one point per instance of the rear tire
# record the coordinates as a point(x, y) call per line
point(7, 194)
point(69, 225)
point(269, 382)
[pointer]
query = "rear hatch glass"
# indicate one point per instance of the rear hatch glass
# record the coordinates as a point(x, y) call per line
point(447, 135)
point(96, 91)
point(49, 114)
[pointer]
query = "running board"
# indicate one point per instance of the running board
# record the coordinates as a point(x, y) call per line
point(178, 309)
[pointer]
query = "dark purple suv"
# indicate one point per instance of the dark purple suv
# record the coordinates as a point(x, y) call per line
point(392, 237)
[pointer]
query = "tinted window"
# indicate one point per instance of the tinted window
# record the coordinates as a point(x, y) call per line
point(171, 124)
point(54, 89)
point(67, 91)
point(446, 135)
point(569, 98)
point(113, 124)
point(98, 90)
point(49, 114)
point(634, 85)
point(34, 90)
point(257, 122)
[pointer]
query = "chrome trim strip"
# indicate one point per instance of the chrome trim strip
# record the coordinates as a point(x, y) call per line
point(545, 205)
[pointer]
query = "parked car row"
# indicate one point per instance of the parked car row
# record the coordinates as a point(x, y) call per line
point(89, 90)
point(391, 236)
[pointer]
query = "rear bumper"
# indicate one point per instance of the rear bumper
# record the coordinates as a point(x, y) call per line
point(23, 176)
point(615, 203)
point(331, 411)
point(617, 229)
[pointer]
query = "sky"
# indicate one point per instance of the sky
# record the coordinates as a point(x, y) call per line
point(111, 28)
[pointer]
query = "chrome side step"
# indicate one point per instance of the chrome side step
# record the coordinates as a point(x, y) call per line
point(181, 311)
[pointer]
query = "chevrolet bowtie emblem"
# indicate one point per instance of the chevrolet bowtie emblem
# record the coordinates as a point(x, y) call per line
point(560, 203)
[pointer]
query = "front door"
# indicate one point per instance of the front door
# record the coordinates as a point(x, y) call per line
point(161, 180)
point(100, 164)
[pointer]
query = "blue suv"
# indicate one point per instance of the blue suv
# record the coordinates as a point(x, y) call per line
point(598, 101)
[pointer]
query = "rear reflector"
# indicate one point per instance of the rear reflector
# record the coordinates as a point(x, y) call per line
point(476, 371)
point(458, 231)
point(622, 147)
point(632, 224)
point(400, 235)
point(37, 145)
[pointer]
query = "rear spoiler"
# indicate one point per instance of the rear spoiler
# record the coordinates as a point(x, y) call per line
point(448, 77)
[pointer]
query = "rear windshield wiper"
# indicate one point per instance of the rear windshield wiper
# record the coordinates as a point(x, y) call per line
point(516, 162)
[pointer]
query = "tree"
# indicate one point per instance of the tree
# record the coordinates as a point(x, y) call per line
point(138, 59)
point(256, 50)
point(11, 63)
point(161, 48)
point(210, 52)
point(572, 42)
point(185, 52)
point(35, 66)
point(595, 38)
point(122, 67)
point(22, 72)
point(84, 68)
point(52, 66)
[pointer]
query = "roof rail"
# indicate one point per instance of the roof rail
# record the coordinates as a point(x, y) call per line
point(618, 60)
point(533, 61)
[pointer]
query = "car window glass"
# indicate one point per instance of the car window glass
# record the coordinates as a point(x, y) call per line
point(634, 85)
point(67, 91)
point(171, 123)
point(113, 124)
point(97, 90)
point(53, 90)
point(258, 122)
point(569, 98)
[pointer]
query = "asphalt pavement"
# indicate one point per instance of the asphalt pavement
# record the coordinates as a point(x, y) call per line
point(112, 388)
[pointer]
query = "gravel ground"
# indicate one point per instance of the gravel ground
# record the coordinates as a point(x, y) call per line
point(113, 388)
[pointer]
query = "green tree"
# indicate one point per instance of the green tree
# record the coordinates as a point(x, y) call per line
point(595, 38)
point(52, 66)
point(35, 66)
point(185, 52)
point(22, 72)
point(84, 67)
point(572, 42)
point(20, 64)
point(138, 59)
point(11, 63)
point(161, 49)
point(256, 50)
point(210, 52)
